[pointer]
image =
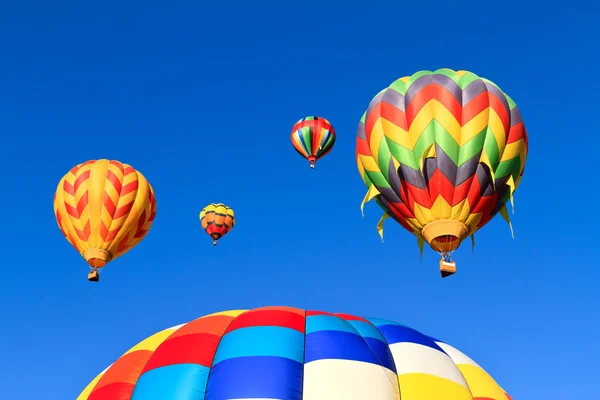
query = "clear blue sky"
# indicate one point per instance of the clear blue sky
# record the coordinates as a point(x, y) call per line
point(201, 99)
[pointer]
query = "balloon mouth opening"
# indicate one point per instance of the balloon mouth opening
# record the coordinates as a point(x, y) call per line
point(215, 236)
point(445, 244)
point(97, 258)
point(445, 235)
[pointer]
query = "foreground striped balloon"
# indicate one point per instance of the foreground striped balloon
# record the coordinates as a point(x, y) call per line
point(104, 208)
point(290, 354)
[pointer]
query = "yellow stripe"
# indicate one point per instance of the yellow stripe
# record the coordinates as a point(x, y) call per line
point(481, 383)
point(151, 343)
point(440, 208)
point(397, 134)
point(434, 110)
point(474, 126)
point(429, 387)
point(376, 138)
point(230, 313)
point(497, 128)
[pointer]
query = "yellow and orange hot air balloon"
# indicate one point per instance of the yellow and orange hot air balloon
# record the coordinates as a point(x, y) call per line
point(217, 219)
point(104, 208)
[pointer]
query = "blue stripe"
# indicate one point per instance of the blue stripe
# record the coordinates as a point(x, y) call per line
point(365, 329)
point(400, 334)
point(176, 382)
point(325, 345)
point(261, 341)
point(379, 322)
point(255, 377)
point(317, 323)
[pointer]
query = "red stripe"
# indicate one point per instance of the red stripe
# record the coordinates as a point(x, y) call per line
point(516, 133)
point(87, 231)
point(118, 165)
point(313, 313)
point(349, 317)
point(114, 180)
point(103, 231)
point(130, 187)
point(280, 318)
point(394, 115)
point(302, 124)
point(504, 114)
point(141, 222)
point(123, 244)
point(72, 211)
point(462, 191)
point(68, 188)
point(111, 207)
point(474, 107)
point(372, 117)
point(198, 348)
point(113, 391)
point(128, 170)
point(362, 147)
point(123, 210)
point(81, 178)
point(433, 91)
point(83, 202)
point(123, 373)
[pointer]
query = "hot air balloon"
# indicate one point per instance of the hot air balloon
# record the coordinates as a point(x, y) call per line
point(441, 153)
point(313, 138)
point(104, 208)
point(217, 219)
point(287, 353)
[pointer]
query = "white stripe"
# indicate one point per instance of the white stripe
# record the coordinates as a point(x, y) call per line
point(413, 358)
point(456, 355)
point(348, 380)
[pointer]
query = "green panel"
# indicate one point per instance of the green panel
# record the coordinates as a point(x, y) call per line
point(402, 154)
point(472, 147)
point(491, 148)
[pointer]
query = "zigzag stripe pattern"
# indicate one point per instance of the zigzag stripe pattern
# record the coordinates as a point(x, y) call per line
point(104, 205)
point(313, 137)
point(442, 145)
point(217, 219)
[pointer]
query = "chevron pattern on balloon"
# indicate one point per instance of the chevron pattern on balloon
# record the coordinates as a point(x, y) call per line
point(104, 205)
point(442, 145)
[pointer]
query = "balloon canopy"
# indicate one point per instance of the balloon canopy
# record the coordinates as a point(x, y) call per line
point(313, 138)
point(441, 152)
point(104, 208)
point(291, 354)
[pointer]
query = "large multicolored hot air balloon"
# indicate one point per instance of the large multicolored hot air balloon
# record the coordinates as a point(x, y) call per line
point(291, 354)
point(104, 208)
point(313, 138)
point(441, 152)
point(217, 219)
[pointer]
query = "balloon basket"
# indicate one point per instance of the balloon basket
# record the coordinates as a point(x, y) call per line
point(93, 276)
point(447, 268)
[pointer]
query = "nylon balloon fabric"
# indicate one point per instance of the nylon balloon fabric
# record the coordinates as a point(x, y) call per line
point(104, 208)
point(313, 138)
point(217, 219)
point(441, 152)
point(291, 354)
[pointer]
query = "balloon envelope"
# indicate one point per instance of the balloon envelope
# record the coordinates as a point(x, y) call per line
point(104, 208)
point(313, 138)
point(217, 219)
point(292, 354)
point(441, 152)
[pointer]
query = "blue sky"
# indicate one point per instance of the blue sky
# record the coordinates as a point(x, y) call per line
point(201, 98)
